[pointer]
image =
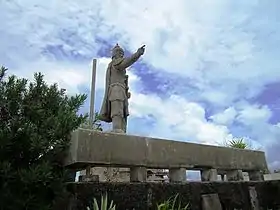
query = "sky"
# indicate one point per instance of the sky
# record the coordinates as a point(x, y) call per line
point(209, 73)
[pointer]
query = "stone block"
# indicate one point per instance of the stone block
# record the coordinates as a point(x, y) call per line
point(234, 175)
point(177, 175)
point(138, 174)
point(89, 178)
point(211, 202)
point(209, 175)
point(255, 176)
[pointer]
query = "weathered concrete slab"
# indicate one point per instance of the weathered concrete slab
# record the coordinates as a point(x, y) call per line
point(211, 202)
point(101, 149)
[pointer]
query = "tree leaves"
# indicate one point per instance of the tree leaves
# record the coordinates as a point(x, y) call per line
point(36, 121)
point(238, 143)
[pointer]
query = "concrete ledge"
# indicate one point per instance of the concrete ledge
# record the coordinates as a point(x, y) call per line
point(119, 150)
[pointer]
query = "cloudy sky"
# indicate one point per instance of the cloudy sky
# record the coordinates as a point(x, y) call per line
point(210, 71)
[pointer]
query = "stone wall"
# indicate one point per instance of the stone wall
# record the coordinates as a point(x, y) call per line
point(100, 149)
point(116, 150)
point(143, 196)
point(272, 176)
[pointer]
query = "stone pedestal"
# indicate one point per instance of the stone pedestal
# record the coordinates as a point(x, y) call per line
point(177, 175)
point(234, 175)
point(209, 175)
point(255, 176)
point(138, 174)
point(148, 152)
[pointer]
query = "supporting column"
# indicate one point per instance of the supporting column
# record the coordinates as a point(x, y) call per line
point(88, 171)
point(138, 174)
point(235, 175)
point(86, 176)
point(209, 175)
point(177, 175)
point(71, 176)
point(255, 176)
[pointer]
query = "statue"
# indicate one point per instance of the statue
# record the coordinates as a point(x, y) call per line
point(115, 102)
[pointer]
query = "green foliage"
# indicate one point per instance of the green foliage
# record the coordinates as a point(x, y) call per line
point(170, 204)
point(238, 143)
point(104, 204)
point(96, 124)
point(35, 125)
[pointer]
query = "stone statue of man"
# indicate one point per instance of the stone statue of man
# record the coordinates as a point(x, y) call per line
point(115, 102)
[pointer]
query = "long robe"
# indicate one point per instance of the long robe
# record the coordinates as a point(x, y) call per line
point(105, 111)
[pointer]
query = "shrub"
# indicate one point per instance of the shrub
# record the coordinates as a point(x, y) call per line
point(238, 143)
point(170, 204)
point(104, 204)
point(35, 125)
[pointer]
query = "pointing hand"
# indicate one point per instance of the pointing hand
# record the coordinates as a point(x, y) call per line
point(141, 50)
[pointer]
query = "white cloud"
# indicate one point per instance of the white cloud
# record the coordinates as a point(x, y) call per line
point(253, 114)
point(254, 119)
point(245, 113)
point(226, 117)
point(212, 45)
point(209, 46)
point(69, 75)
point(176, 118)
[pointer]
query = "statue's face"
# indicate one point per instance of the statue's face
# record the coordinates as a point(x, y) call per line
point(119, 54)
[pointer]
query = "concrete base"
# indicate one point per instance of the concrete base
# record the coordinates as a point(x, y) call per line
point(255, 176)
point(138, 174)
point(234, 175)
point(177, 175)
point(102, 149)
point(209, 175)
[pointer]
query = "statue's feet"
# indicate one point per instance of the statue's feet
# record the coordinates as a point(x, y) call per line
point(117, 131)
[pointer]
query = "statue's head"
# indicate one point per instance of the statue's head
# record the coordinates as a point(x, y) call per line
point(117, 52)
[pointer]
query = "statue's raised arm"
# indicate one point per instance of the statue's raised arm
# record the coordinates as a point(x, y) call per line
point(125, 62)
point(115, 103)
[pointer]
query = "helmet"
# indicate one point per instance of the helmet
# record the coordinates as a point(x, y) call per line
point(116, 50)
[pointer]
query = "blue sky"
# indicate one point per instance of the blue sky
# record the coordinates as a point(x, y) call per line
point(210, 71)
